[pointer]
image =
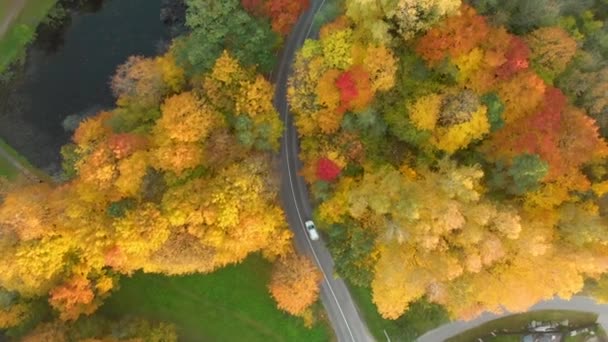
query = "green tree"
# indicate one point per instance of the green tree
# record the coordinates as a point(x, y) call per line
point(224, 25)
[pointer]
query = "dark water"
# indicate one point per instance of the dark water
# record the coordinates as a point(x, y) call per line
point(68, 72)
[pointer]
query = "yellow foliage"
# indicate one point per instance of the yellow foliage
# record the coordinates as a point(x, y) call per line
point(600, 189)
point(381, 64)
point(177, 157)
point(173, 75)
point(453, 138)
point(13, 315)
point(255, 99)
point(35, 265)
point(328, 94)
point(131, 173)
point(140, 232)
point(425, 111)
point(468, 64)
point(337, 49)
point(226, 68)
point(186, 119)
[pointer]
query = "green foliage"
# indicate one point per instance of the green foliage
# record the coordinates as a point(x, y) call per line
point(330, 10)
point(321, 190)
point(231, 304)
point(351, 246)
point(527, 170)
point(421, 317)
point(401, 127)
point(524, 174)
point(7, 298)
point(495, 110)
point(69, 157)
point(120, 208)
point(224, 25)
point(22, 32)
point(520, 16)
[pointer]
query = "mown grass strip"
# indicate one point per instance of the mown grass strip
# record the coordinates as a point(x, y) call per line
point(22, 30)
point(231, 304)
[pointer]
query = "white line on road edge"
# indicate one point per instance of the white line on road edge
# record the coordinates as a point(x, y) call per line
point(308, 238)
point(386, 334)
point(293, 195)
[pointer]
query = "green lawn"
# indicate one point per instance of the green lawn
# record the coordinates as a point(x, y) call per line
point(22, 30)
point(520, 321)
point(9, 171)
point(231, 304)
point(420, 318)
point(6, 168)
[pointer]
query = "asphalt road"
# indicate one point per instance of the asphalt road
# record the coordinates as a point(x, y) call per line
point(576, 303)
point(343, 314)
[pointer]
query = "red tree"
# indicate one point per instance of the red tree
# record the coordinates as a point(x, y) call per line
point(517, 58)
point(327, 170)
point(284, 13)
point(355, 89)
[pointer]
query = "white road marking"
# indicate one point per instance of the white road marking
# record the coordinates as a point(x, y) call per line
point(293, 195)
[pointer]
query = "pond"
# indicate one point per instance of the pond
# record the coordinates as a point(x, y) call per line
point(67, 72)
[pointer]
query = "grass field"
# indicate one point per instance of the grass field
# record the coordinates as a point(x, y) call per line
point(6, 168)
point(520, 321)
point(22, 30)
point(420, 318)
point(9, 171)
point(231, 304)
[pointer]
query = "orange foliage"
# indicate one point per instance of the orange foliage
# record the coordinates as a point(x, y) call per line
point(284, 13)
point(124, 144)
point(73, 298)
point(522, 95)
point(26, 212)
point(453, 37)
point(294, 284)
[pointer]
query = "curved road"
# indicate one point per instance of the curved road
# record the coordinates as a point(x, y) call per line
point(576, 303)
point(342, 312)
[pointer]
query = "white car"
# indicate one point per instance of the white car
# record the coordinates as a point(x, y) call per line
point(312, 230)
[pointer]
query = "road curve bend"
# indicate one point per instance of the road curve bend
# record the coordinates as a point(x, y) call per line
point(576, 303)
point(341, 309)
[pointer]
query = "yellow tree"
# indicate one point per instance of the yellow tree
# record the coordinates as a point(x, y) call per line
point(294, 284)
point(186, 119)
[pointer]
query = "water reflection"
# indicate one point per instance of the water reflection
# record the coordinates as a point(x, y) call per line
point(67, 72)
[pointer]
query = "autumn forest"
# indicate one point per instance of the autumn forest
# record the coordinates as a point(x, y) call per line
point(455, 153)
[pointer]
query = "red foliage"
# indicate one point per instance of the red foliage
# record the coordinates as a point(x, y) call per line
point(355, 89)
point(327, 170)
point(517, 58)
point(123, 144)
point(284, 13)
point(348, 88)
point(254, 7)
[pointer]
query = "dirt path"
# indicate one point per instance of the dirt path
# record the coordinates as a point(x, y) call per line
point(18, 165)
point(13, 10)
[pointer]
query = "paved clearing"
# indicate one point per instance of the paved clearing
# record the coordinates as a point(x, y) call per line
point(576, 303)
